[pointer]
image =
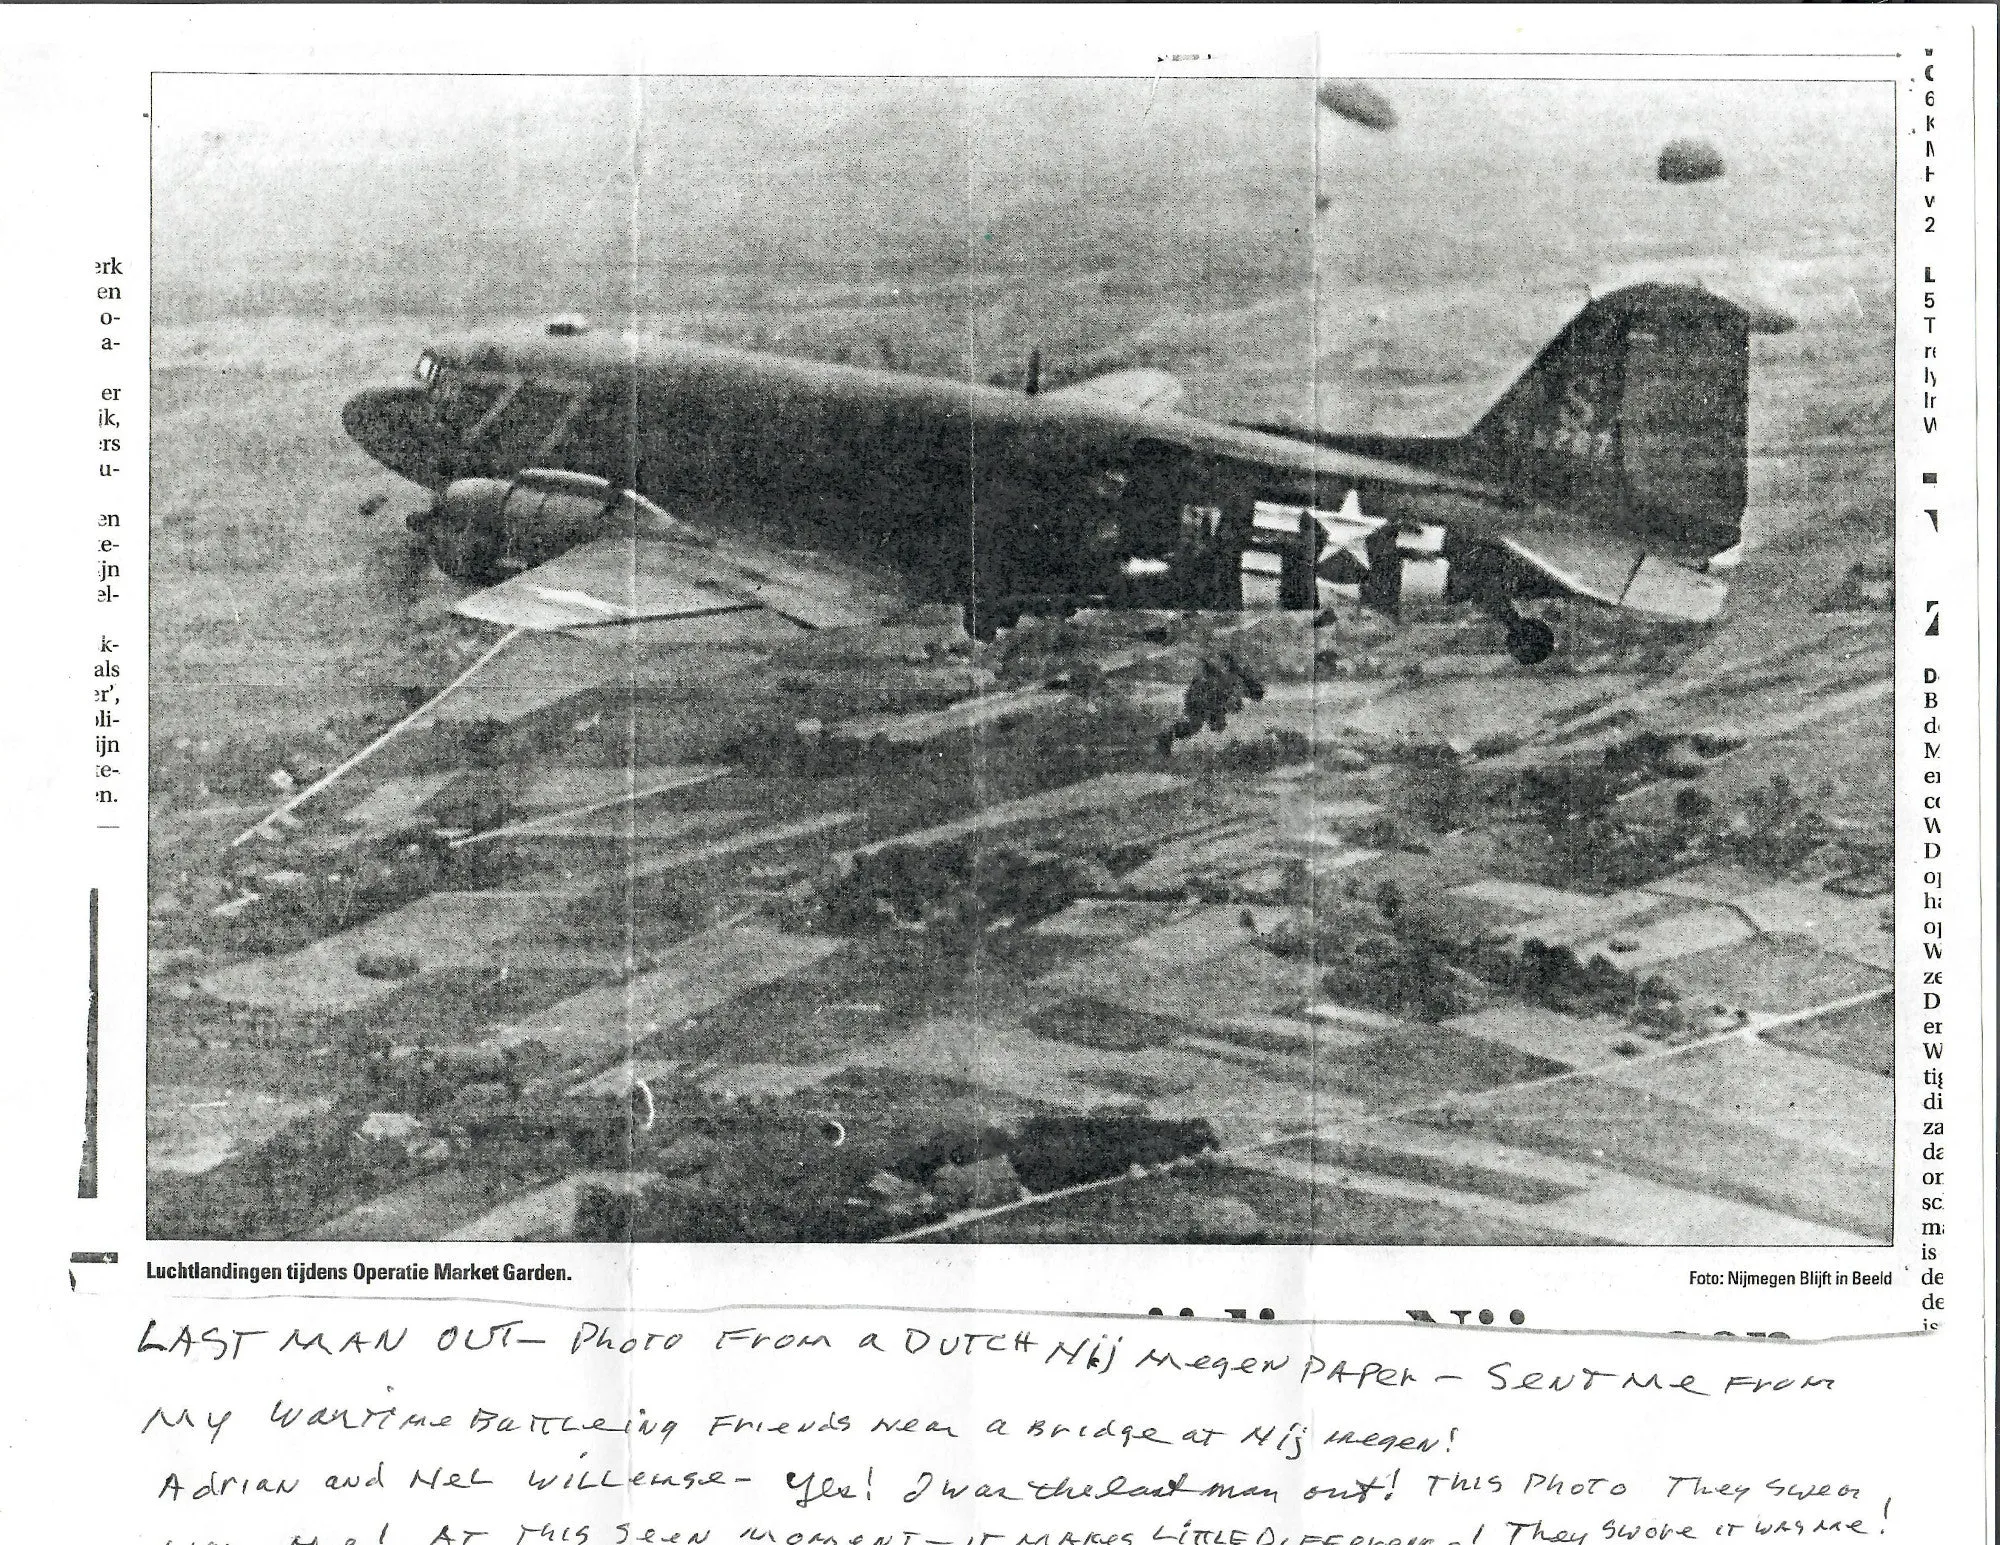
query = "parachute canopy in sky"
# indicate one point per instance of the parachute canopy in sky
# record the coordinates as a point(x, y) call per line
point(1358, 102)
point(1690, 160)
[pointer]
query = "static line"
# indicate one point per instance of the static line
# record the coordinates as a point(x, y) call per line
point(556, 817)
point(379, 741)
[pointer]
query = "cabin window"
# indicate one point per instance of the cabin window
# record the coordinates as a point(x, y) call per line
point(427, 366)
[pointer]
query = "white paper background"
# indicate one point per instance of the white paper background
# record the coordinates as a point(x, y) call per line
point(74, 89)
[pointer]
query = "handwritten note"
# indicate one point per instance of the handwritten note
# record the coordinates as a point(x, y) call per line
point(417, 1425)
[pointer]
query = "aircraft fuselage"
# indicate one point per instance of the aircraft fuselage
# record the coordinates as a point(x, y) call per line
point(1611, 468)
point(960, 489)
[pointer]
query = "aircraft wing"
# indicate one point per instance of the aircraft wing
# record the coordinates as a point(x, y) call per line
point(617, 579)
point(640, 579)
point(1151, 391)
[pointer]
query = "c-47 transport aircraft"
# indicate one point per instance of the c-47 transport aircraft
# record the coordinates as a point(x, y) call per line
point(1613, 469)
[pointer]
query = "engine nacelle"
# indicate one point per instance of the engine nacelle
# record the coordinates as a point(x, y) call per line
point(482, 529)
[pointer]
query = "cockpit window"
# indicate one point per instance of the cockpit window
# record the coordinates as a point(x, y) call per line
point(460, 400)
point(427, 365)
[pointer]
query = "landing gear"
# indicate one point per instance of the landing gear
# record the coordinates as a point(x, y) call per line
point(1529, 639)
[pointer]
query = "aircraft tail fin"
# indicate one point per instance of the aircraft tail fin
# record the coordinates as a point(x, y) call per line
point(1636, 414)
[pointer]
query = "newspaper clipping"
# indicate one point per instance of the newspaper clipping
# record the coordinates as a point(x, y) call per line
point(965, 777)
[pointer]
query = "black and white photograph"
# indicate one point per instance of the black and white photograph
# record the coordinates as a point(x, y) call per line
point(1022, 660)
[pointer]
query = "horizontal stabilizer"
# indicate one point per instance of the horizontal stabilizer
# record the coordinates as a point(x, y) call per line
point(1616, 573)
point(1664, 588)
